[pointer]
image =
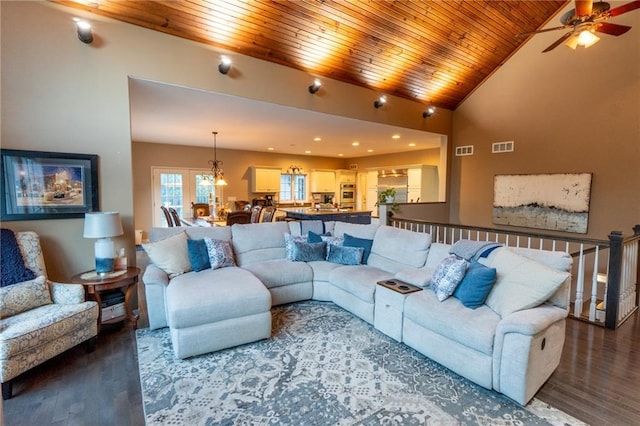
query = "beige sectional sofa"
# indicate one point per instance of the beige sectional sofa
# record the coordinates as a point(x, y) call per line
point(511, 351)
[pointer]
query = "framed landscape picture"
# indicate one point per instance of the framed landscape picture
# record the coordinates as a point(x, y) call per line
point(47, 185)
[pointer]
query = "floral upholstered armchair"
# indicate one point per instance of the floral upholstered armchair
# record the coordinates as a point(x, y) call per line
point(39, 319)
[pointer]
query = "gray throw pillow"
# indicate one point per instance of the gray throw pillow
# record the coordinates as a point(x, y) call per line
point(308, 252)
point(345, 255)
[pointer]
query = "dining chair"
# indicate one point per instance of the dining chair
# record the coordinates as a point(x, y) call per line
point(199, 209)
point(175, 217)
point(241, 205)
point(255, 214)
point(238, 217)
point(167, 216)
point(268, 213)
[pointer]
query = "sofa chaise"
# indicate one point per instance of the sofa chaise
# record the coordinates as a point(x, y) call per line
point(511, 342)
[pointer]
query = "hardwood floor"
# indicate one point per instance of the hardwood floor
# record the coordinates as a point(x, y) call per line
point(80, 388)
point(598, 381)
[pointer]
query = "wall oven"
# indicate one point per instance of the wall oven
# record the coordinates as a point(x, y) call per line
point(347, 195)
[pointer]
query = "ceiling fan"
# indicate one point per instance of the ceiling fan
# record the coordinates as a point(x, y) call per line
point(585, 20)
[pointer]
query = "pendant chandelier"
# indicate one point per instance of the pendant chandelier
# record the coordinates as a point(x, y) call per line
point(216, 167)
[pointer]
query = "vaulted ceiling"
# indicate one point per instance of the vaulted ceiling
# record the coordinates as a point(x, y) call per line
point(435, 52)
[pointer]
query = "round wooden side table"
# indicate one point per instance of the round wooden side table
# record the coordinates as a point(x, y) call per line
point(95, 285)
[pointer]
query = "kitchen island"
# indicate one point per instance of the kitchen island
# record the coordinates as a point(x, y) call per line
point(326, 215)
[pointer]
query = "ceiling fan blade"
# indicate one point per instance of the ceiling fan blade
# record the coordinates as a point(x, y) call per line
point(558, 42)
point(612, 29)
point(584, 7)
point(542, 31)
point(624, 8)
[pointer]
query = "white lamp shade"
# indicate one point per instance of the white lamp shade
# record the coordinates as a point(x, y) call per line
point(102, 225)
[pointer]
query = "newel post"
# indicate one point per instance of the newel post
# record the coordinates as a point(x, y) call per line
point(613, 279)
point(636, 231)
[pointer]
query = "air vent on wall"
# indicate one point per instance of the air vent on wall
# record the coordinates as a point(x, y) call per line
point(502, 147)
point(464, 150)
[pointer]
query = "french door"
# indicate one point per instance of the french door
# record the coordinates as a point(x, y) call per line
point(178, 188)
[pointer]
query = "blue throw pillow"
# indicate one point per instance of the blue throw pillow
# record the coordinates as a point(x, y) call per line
point(345, 255)
point(476, 285)
point(312, 237)
point(351, 241)
point(12, 267)
point(198, 255)
point(308, 252)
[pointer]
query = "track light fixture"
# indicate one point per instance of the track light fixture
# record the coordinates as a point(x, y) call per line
point(429, 112)
point(84, 31)
point(225, 65)
point(315, 86)
point(380, 101)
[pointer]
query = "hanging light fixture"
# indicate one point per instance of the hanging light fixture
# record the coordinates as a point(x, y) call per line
point(216, 167)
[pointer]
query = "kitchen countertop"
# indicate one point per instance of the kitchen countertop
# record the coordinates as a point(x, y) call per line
point(314, 212)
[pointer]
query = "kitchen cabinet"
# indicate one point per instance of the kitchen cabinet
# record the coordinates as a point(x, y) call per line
point(422, 184)
point(372, 191)
point(323, 181)
point(345, 176)
point(265, 179)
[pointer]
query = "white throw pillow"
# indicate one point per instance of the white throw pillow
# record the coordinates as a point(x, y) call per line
point(171, 254)
point(521, 283)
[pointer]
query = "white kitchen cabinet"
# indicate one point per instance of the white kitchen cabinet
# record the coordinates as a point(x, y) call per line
point(323, 181)
point(265, 179)
point(372, 179)
point(423, 184)
point(345, 176)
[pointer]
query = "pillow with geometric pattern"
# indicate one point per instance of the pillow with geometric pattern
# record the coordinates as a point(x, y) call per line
point(220, 253)
point(448, 274)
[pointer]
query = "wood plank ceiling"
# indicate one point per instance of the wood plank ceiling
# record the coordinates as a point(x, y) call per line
point(435, 52)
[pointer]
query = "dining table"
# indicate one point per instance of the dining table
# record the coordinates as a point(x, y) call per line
point(203, 221)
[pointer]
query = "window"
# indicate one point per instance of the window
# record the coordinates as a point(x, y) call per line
point(293, 187)
point(178, 188)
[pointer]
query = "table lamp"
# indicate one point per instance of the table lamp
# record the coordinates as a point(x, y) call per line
point(103, 225)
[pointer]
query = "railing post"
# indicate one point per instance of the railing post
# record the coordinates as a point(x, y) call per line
point(636, 231)
point(613, 280)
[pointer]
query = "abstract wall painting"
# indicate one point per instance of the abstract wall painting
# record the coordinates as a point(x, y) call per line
point(558, 202)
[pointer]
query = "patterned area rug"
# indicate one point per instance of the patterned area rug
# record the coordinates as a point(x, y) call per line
point(322, 366)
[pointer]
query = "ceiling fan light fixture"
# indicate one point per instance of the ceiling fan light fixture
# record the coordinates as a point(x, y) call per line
point(587, 38)
point(572, 42)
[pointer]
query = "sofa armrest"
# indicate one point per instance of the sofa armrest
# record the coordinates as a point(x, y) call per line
point(530, 321)
point(66, 294)
point(156, 282)
point(155, 276)
point(526, 350)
